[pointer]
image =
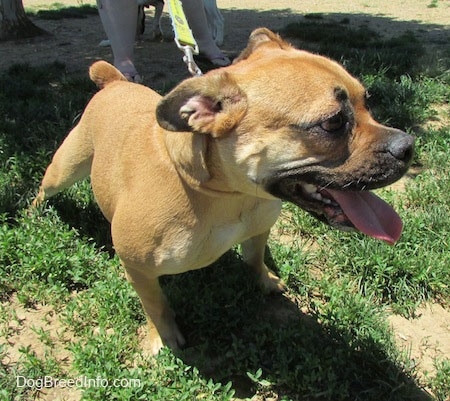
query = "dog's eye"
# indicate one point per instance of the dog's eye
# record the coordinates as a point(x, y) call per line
point(334, 123)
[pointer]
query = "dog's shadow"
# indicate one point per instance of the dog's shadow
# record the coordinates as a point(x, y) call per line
point(235, 333)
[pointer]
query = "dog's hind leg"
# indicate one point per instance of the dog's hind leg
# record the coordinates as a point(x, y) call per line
point(163, 329)
point(71, 162)
point(253, 254)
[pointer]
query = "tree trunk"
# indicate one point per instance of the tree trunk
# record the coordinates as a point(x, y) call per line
point(14, 24)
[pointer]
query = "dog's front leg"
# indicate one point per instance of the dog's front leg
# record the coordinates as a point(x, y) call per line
point(160, 318)
point(253, 254)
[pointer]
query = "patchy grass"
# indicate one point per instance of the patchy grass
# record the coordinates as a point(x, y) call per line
point(326, 339)
point(58, 11)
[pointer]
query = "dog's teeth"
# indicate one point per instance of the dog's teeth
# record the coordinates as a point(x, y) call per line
point(311, 189)
point(317, 196)
point(323, 199)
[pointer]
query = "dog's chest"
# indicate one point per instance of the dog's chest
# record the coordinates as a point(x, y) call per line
point(218, 230)
point(237, 221)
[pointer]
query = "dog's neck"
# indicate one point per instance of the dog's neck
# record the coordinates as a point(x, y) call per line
point(190, 154)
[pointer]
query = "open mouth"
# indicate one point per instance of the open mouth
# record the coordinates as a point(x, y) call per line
point(360, 210)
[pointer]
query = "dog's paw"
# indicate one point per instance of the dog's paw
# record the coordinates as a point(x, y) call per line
point(174, 340)
point(271, 283)
point(153, 344)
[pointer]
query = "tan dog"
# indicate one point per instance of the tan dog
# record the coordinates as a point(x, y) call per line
point(185, 177)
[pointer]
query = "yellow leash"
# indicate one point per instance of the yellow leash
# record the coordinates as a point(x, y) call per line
point(184, 38)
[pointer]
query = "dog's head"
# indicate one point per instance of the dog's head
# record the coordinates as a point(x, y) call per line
point(286, 123)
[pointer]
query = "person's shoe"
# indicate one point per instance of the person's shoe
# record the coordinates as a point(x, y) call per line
point(216, 61)
point(136, 78)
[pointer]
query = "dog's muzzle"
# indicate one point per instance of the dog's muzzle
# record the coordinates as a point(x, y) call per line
point(340, 196)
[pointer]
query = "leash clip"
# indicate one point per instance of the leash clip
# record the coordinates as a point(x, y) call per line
point(184, 39)
point(188, 58)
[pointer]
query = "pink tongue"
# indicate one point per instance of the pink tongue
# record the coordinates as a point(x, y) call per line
point(370, 214)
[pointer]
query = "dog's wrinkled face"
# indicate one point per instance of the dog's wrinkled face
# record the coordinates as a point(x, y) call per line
point(295, 125)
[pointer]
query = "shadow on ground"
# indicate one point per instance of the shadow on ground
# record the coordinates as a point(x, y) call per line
point(233, 331)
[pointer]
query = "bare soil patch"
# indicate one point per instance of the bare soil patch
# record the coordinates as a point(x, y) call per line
point(39, 330)
point(426, 337)
point(74, 42)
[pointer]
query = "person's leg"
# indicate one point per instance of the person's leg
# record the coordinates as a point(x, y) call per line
point(196, 16)
point(119, 19)
point(215, 20)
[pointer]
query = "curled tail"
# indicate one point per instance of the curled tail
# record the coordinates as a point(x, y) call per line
point(103, 73)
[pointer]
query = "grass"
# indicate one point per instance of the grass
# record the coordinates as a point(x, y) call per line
point(58, 11)
point(327, 339)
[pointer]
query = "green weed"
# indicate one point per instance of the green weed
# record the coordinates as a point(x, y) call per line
point(58, 11)
point(441, 382)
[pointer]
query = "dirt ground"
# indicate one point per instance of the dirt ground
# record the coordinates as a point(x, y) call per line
point(74, 42)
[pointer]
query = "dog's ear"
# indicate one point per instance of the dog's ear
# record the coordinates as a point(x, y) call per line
point(262, 37)
point(212, 104)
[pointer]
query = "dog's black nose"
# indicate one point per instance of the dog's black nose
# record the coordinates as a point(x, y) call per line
point(401, 146)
